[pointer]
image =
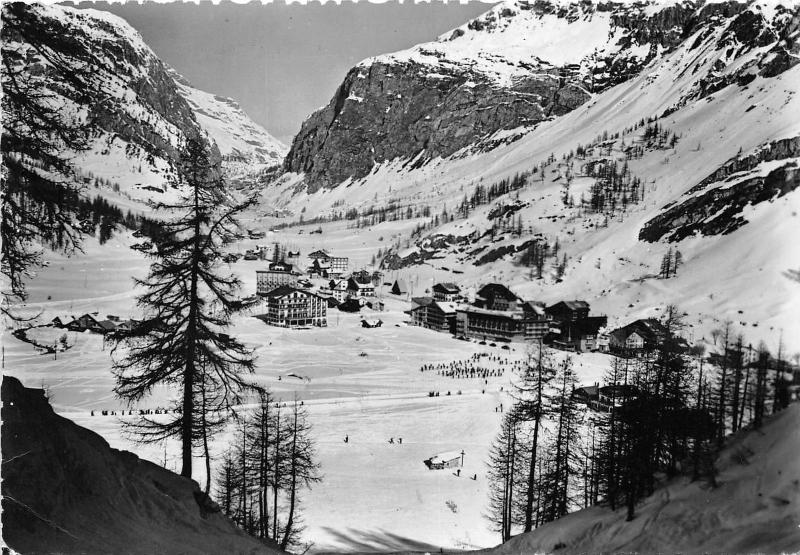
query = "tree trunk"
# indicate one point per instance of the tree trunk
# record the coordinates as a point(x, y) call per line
point(532, 467)
point(276, 477)
point(205, 442)
point(293, 484)
point(191, 337)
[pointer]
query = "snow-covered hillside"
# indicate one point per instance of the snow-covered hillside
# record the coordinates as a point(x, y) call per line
point(517, 38)
point(74, 494)
point(519, 64)
point(138, 110)
point(759, 485)
point(727, 92)
point(245, 146)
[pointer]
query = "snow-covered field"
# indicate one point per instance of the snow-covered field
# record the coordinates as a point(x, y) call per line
point(375, 495)
point(366, 384)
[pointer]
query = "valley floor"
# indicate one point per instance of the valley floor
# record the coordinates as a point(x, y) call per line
point(375, 495)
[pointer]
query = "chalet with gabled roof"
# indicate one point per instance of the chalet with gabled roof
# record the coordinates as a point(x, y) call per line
point(495, 296)
point(447, 292)
point(338, 289)
point(85, 322)
point(62, 320)
point(360, 288)
point(399, 287)
point(91, 323)
point(569, 311)
point(637, 337)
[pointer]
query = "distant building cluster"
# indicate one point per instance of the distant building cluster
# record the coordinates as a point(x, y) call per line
point(93, 323)
point(495, 313)
point(292, 300)
point(499, 314)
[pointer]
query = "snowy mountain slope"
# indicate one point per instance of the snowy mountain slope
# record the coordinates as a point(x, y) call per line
point(138, 113)
point(517, 65)
point(754, 509)
point(739, 275)
point(244, 144)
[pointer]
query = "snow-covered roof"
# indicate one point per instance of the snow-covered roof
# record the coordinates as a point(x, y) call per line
point(63, 318)
point(445, 457)
point(516, 314)
point(447, 307)
point(284, 290)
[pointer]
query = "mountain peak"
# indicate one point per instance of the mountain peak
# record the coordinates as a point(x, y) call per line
point(238, 137)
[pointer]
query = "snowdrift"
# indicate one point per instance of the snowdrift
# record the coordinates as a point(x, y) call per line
point(66, 491)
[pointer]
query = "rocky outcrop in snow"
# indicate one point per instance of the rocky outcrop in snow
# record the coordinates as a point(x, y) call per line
point(139, 110)
point(716, 205)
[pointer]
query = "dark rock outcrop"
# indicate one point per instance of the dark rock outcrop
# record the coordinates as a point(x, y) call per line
point(397, 110)
point(66, 491)
point(118, 61)
point(715, 206)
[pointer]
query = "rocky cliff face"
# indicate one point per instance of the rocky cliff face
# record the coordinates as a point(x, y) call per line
point(134, 98)
point(517, 65)
point(139, 111)
point(387, 110)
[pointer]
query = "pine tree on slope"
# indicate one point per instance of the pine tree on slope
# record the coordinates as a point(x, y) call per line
point(187, 306)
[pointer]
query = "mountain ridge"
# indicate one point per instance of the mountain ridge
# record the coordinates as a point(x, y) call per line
point(141, 110)
point(515, 66)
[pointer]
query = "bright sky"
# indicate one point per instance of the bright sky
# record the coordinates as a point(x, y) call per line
point(283, 62)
